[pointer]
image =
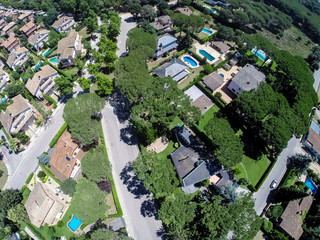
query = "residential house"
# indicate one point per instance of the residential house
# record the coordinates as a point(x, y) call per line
point(68, 48)
point(165, 43)
point(44, 206)
point(221, 47)
point(18, 116)
point(10, 14)
point(65, 161)
point(42, 82)
point(291, 221)
point(189, 160)
point(183, 10)
point(8, 29)
point(11, 44)
point(4, 79)
point(312, 139)
point(246, 79)
point(162, 23)
point(222, 178)
point(26, 16)
point(63, 24)
point(212, 81)
point(28, 29)
point(2, 23)
point(37, 38)
point(199, 99)
point(175, 69)
point(18, 58)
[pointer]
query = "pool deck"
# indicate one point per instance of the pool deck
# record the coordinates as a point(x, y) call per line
point(189, 64)
point(209, 50)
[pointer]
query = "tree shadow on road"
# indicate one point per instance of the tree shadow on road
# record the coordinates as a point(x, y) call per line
point(134, 185)
point(121, 106)
point(149, 208)
point(127, 136)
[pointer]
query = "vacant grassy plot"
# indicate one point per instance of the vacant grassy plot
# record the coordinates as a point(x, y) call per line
point(71, 71)
point(251, 169)
point(193, 73)
point(169, 149)
point(175, 122)
point(207, 116)
point(4, 176)
point(83, 33)
point(290, 41)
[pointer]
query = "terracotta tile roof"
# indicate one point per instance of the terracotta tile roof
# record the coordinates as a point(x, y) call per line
point(34, 37)
point(14, 54)
point(314, 140)
point(25, 15)
point(64, 157)
point(9, 26)
point(66, 45)
point(45, 72)
point(11, 41)
point(291, 221)
point(59, 22)
point(28, 28)
point(41, 208)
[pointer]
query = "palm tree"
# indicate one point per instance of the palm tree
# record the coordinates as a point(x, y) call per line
point(13, 144)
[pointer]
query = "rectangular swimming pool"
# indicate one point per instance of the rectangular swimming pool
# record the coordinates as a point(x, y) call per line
point(46, 52)
point(53, 60)
point(207, 31)
point(311, 185)
point(260, 54)
point(207, 55)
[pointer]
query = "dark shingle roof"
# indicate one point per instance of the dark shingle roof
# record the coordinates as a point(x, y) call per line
point(213, 81)
point(170, 69)
point(249, 78)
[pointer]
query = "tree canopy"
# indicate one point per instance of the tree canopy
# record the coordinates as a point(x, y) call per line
point(86, 107)
point(68, 186)
point(228, 147)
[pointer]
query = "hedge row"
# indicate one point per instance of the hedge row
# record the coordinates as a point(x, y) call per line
point(113, 187)
point(264, 177)
point(196, 56)
point(287, 177)
point(29, 178)
point(47, 171)
point(58, 135)
point(35, 231)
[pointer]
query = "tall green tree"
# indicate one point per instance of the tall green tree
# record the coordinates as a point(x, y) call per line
point(17, 213)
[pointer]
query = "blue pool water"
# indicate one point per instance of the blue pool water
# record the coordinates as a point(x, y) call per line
point(5, 99)
point(260, 54)
point(190, 60)
point(312, 186)
point(53, 60)
point(221, 75)
point(74, 223)
point(206, 31)
point(38, 65)
point(207, 55)
point(46, 52)
point(213, 10)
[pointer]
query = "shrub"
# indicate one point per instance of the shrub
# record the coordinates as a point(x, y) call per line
point(176, 145)
point(22, 136)
point(68, 186)
point(208, 68)
point(41, 175)
point(44, 159)
point(267, 225)
point(276, 211)
point(57, 136)
point(29, 178)
point(237, 171)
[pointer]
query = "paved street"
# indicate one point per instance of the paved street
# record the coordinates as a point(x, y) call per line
point(265, 192)
point(127, 24)
point(122, 148)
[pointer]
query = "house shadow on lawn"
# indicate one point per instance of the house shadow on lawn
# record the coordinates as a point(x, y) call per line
point(134, 185)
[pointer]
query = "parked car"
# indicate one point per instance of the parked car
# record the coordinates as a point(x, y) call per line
point(273, 184)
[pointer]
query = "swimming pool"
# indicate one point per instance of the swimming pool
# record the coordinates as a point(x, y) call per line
point(207, 31)
point(311, 185)
point(261, 54)
point(190, 60)
point(207, 55)
point(38, 65)
point(221, 75)
point(74, 223)
point(46, 52)
point(53, 60)
point(5, 99)
point(213, 10)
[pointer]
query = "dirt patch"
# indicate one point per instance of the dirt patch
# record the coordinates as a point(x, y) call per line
point(112, 207)
point(159, 145)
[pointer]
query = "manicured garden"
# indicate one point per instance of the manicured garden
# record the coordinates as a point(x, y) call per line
point(251, 169)
point(4, 174)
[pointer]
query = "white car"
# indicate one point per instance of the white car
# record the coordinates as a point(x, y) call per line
point(273, 184)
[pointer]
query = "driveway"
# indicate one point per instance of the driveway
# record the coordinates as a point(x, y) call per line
point(127, 23)
point(139, 210)
point(264, 195)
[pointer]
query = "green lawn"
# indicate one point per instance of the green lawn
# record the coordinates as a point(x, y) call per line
point(254, 169)
point(4, 177)
point(169, 149)
point(175, 122)
point(83, 33)
point(193, 73)
point(71, 71)
point(207, 116)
